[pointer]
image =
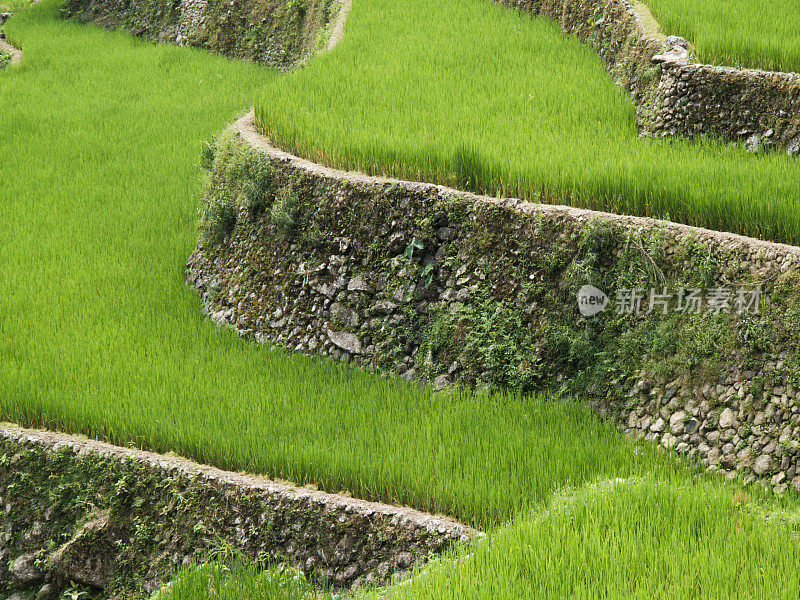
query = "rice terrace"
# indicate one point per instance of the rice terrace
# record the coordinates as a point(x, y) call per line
point(327, 299)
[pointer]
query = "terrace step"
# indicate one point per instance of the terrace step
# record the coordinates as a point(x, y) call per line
point(158, 512)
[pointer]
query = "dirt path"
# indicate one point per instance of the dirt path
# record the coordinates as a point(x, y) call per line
point(338, 27)
point(16, 55)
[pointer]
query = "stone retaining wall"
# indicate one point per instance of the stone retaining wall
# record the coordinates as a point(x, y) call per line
point(279, 33)
point(674, 95)
point(759, 108)
point(438, 285)
point(121, 520)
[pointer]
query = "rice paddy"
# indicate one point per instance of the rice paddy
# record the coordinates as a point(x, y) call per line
point(470, 94)
point(737, 33)
point(625, 539)
point(101, 335)
point(99, 177)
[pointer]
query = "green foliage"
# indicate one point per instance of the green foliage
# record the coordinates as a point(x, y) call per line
point(236, 579)
point(284, 211)
point(259, 184)
point(489, 340)
point(5, 59)
point(722, 33)
point(208, 150)
point(540, 120)
point(218, 218)
point(626, 539)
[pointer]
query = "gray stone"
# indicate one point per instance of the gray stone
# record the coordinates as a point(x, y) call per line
point(442, 382)
point(793, 148)
point(327, 290)
point(727, 419)
point(778, 478)
point(343, 315)
point(763, 465)
point(90, 557)
point(753, 142)
point(382, 570)
point(446, 234)
point(676, 55)
point(384, 307)
point(24, 571)
point(346, 341)
point(674, 41)
point(358, 284)
point(49, 591)
point(658, 426)
point(404, 560)
point(676, 422)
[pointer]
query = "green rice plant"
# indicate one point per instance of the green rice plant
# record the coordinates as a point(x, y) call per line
point(14, 6)
point(741, 33)
point(625, 539)
point(234, 580)
point(520, 110)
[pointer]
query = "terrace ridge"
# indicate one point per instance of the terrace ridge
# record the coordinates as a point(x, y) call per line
point(247, 129)
point(335, 539)
point(392, 275)
point(674, 95)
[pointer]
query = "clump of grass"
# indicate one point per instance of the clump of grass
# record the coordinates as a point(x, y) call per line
point(5, 58)
point(284, 211)
point(762, 35)
point(259, 186)
point(234, 580)
point(218, 219)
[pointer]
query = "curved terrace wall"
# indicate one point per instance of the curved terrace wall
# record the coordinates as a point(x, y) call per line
point(440, 285)
point(118, 520)
point(274, 32)
point(674, 95)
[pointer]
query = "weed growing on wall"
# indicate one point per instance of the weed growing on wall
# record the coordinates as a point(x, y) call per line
point(218, 218)
point(284, 210)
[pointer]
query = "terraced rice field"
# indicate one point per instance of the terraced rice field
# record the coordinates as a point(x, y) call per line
point(473, 95)
point(736, 33)
point(100, 136)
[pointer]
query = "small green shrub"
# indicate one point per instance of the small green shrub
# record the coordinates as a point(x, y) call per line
point(218, 218)
point(259, 184)
point(207, 152)
point(284, 211)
